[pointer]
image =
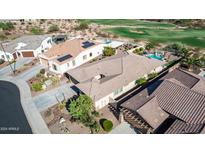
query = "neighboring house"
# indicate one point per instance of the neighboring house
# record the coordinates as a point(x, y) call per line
point(26, 46)
point(174, 104)
point(73, 53)
point(110, 77)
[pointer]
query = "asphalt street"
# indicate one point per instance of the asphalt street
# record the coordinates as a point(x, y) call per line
point(12, 117)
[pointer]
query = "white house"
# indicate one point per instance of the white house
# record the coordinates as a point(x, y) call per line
point(111, 77)
point(73, 53)
point(25, 46)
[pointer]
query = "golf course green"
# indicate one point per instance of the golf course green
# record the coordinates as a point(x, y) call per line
point(153, 31)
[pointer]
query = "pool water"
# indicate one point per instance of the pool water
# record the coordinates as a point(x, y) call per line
point(202, 73)
point(154, 56)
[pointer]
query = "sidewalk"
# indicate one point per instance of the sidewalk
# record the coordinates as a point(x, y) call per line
point(34, 118)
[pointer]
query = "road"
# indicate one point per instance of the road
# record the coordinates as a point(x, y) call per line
point(12, 117)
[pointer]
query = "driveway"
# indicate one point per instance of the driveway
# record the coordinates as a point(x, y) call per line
point(30, 73)
point(12, 117)
point(48, 99)
point(20, 62)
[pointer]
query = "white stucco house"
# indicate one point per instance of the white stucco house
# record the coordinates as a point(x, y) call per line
point(25, 46)
point(72, 53)
point(111, 77)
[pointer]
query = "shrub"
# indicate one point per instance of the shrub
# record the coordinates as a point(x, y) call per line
point(1, 61)
point(138, 51)
point(37, 86)
point(3, 36)
point(141, 81)
point(107, 125)
point(36, 31)
point(55, 80)
point(53, 28)
point(82, 26)
point(152, 75)
point(42, 71)
point(6, 25)
point(108, 51)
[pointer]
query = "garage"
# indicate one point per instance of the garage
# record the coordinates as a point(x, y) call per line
point(27, 53)
point(14, 55)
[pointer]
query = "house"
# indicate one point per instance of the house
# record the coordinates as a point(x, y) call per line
point(174, 104)
point(110, 77)
point(73, 53)
point(25, 46)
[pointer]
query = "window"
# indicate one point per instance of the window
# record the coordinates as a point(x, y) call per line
point(54, 67)
point(118, 91)
point(67, 64)
point(73, 62)
point(84, 57)
point(91, 54)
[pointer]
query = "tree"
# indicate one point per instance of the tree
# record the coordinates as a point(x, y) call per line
point(53, 28)
point(36, 31)
point(138, 51)
point(6, 25)
point(176, 48)
point(149, 46)
point(108, 51)
point(82, 110)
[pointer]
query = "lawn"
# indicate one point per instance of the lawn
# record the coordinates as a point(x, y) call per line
point(128, 22)
point(191, 37)
point(153, 31)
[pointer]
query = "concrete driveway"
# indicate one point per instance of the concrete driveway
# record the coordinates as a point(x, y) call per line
point(48, 99)
point(12, 117)
point(20, 62)
point(30, 73)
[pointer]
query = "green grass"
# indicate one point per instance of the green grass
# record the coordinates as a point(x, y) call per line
point(128, 22)
point(191, 37)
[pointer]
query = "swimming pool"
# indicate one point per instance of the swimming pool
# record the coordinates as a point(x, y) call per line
point(154, 56)
point(202, 73)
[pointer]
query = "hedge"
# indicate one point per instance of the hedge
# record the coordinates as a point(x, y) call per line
point(107, 125)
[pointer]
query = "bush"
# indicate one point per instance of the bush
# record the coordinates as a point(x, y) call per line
point(108, 51)
point(138, 51)
point(55, 80)
point(1, 61)
point(82, 26)
point(107, 125)
point(3, 36)
point(141, 81)
point(152, 75)
point(36, 31)
point(37, 86)
point(6, 25)
point(53, 28)
point(42, 71)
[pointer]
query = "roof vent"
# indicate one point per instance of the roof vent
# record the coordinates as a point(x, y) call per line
point(100, 76)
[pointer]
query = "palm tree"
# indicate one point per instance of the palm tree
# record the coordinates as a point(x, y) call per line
point(192, 61)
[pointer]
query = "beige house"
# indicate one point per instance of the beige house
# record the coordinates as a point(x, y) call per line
point(109, 78)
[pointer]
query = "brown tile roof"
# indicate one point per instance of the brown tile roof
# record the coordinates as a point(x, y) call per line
point(181, 127)
point(156, 116)
point(72, 47)
point(119, 71)
point(182, 102)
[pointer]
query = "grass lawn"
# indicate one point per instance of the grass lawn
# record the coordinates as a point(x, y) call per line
point(153, 31)
point(191, 37)
point(128, 22)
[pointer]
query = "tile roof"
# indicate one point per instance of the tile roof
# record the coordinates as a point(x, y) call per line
point(119, 71)
point(181, 127)
point(72, 47)
point(182, 102)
